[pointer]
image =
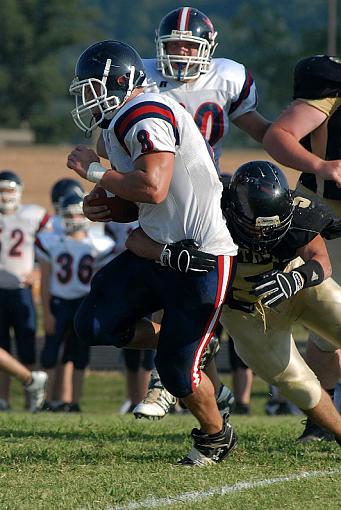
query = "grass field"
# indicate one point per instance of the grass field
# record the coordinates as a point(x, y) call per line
point(100, 461)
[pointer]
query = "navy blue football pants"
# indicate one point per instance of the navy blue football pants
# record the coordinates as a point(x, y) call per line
point(64, 345)
point(129, 288)
point(17, 311)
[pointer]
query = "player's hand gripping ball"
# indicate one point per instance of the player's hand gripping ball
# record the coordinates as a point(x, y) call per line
point(121, 210)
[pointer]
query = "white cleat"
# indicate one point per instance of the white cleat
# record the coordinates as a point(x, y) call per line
point(156, 404)
point(35, 391)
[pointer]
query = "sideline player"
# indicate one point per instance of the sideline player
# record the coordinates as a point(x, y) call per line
point(34, 381)
point(150, 139)
point(282, 277)
point(19, 225)
point(67, 263)
point(306, 137)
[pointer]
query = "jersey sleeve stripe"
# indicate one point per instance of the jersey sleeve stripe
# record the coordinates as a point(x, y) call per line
point(43, 222)
point(145, 110)
point(244, 92)
point(40, 248)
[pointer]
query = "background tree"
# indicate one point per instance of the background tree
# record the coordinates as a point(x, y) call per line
point(33, 88)
point(41, 39)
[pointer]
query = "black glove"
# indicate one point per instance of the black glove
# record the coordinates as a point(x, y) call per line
point(185, 257)
point(275, 286)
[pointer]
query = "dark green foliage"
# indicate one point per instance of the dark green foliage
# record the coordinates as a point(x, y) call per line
point(40, 41)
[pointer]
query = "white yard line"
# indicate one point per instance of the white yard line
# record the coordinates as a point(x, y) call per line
point(153, 502)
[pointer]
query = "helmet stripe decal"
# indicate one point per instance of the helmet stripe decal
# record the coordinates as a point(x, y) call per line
point(184, 18)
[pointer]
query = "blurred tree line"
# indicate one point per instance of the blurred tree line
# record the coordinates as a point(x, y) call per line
point(41, 40)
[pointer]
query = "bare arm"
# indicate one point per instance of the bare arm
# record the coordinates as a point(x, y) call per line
point(183, 256)
point(143, 246)
point(148, 182)
point(254, 124)
point(282, 141)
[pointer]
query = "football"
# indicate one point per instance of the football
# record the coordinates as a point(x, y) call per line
point(122, 211)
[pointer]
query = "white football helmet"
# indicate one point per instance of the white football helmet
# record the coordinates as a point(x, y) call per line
point(10, 191)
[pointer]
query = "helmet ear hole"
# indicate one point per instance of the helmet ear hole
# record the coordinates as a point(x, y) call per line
point(122, 81)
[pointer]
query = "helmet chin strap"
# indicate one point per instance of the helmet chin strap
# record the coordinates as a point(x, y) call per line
point(106, 71)
point(131, 81)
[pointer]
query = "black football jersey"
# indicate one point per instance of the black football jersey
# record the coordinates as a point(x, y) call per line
point(310, 218)
point(333, 151)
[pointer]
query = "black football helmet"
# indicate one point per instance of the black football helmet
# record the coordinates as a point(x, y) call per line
point(65, 187)
point(259, 208)
point(185, 24)
point(317, 77)
point(10, 191)
point(71, 212)
point(106, 74)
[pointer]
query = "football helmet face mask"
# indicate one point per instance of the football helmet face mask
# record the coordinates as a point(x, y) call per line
point(10, 191)
point(71, 212)
point(62, 188)
point(259, 207)
point(188, 25)
point(105, 76)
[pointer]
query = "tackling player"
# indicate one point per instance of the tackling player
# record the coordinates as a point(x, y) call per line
point(282, 277)
point(19, 225)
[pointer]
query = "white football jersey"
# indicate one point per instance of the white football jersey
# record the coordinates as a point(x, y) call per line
point(119, 233)
point(73, 262)
point(17, 236)
point(153, 122)
point(225, 93)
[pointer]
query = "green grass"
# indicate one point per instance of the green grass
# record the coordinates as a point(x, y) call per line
point(98, 460)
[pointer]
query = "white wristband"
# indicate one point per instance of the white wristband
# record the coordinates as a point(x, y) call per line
point(95, 172)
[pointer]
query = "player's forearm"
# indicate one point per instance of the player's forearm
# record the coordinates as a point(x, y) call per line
point(288, 151)
point(136, 186)
point(143, 246)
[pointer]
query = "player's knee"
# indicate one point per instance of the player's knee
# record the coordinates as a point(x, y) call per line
point(95, 327)
point(173, 377)
point(305, 394)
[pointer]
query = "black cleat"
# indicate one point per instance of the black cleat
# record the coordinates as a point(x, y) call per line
point(209, 449)
point(313, 432)
point(241, 408)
